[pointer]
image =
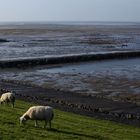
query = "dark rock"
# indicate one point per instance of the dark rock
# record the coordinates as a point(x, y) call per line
point(96, 110)
point(3, 40)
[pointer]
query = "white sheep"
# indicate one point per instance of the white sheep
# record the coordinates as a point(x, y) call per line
point(38, 113)
point(7, 97)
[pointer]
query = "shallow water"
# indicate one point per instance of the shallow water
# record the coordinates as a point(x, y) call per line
point(128, 67)
point(41, 40)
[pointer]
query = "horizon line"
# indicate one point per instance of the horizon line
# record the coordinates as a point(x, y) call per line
point(72, 21)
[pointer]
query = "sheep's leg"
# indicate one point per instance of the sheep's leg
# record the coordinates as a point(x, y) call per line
point(13, 101)
point(36, 124)
point(50, 124)
point(45, 124)
point(13, 105)
point(5, 103)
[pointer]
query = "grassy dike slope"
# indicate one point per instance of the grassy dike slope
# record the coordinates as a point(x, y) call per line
point(65, 126)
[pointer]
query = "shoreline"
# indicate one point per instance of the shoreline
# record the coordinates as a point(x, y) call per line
point(123, 112)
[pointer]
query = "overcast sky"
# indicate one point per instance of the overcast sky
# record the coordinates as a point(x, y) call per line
point(70, 10)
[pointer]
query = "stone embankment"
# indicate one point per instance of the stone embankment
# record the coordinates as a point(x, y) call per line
point(28, 62)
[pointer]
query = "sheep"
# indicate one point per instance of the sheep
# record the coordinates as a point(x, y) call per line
point(38, 113)
point(7, 97)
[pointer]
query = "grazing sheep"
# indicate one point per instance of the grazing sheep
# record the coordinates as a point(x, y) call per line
point(38, 113)
point(7, 97)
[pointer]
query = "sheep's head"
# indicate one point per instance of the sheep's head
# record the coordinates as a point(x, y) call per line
point(22, 120)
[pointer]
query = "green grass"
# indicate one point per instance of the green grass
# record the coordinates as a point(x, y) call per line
point(64, 126)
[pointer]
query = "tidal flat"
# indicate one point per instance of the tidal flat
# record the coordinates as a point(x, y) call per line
point(114, 82)
point(39, 40)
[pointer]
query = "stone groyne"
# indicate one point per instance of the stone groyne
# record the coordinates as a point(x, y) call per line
point(60, 59)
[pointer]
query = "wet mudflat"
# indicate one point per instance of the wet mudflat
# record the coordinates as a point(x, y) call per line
point(26, 41)
point(113, 79)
